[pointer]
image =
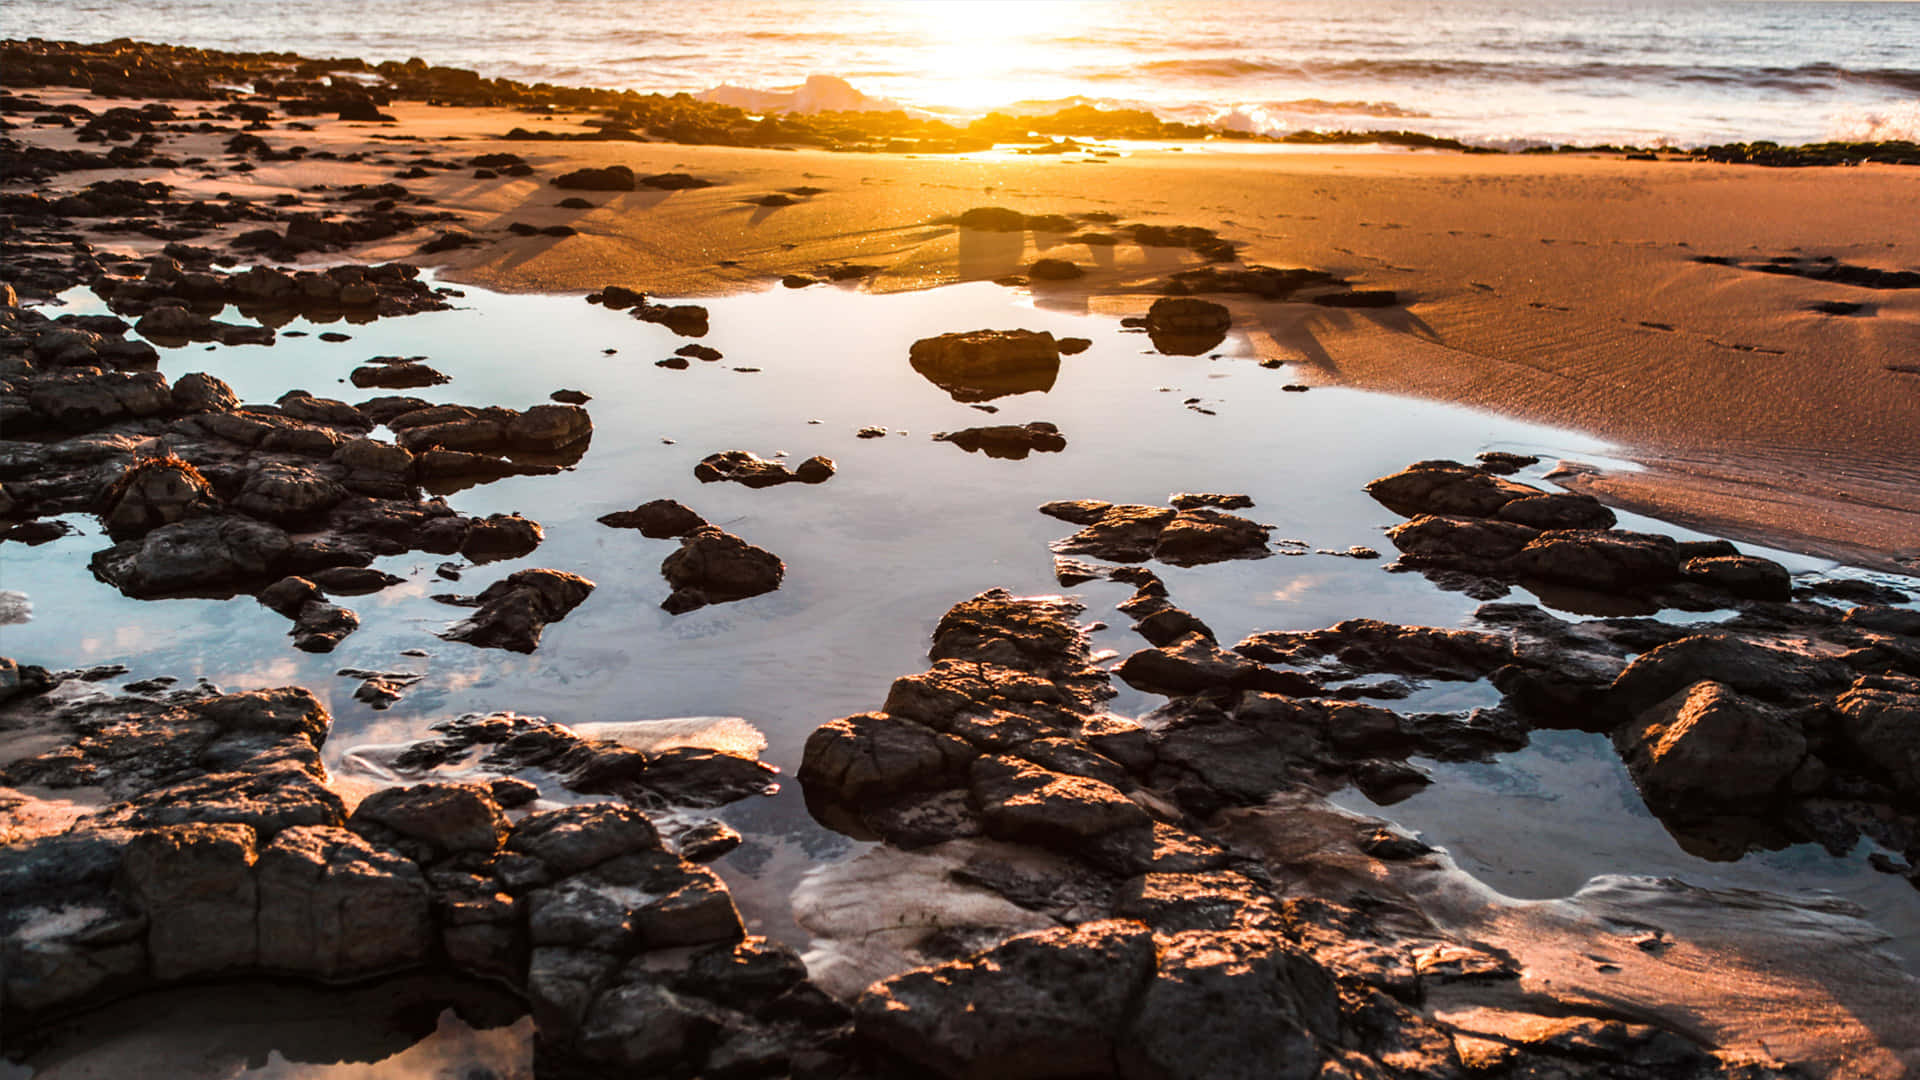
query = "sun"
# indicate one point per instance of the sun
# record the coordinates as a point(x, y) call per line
point(982, 53)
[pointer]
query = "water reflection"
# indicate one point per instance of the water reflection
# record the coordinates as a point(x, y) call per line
point(906, 529)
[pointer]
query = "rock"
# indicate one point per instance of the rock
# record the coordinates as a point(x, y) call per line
point(1708, 749)
point(1007, 441)
point(1021, 801)
point(353, 580)
point(156, 491)
point(1194, 501)
point(570, 397)
point(334, 908)
point(1558, 510)
point(1054, 270)
point(1231, 1005)
point(1046, 1004)
point(1125, 533)
point(743, 467)
point(1771, 674)
point(659, 519)
point(403, 375)
point(197, 392)
point(1446, 489)
point(1742, 575)
point(1206, 535)
point(320, 626)
point(611, 178)
point(440, 819)
point(195, 883)
point(513, 611)
point(574, 838)
point(224, 553)
point(814, 470)
point(713, 566)
point(1077, 511)
point(1461, 540)
point(1186, 326)
point(1369, 645)
point(288, 494)
point(1880, 720)
point(857, 759)
point(979, 365)
point(500, 536)
point(1193, 664)
point(1608, 562)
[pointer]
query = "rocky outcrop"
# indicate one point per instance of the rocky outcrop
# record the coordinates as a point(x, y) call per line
point(1181, 537)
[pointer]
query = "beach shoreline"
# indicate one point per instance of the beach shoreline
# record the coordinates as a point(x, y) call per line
point(1616, 297)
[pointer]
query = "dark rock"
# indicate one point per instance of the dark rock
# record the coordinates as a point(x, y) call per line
point(1446, 488)
point(611, 178)
point(1741, 575)
point(713, 566)
point(1054, 270)
point(1007, 441)
point(513, 611)
point(219, 554)
point(436, 819)
point(1708, 749)
point(980, 365)
point(659, 519)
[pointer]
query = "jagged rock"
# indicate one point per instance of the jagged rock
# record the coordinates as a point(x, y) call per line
point(1370, 645)
point(1193, 664)
point(1207, 535)
point(197, 392)
point(195, 883)
point(1603, 561)
point(574, 838)
point(856, 759)
point(1078, 511)
point(288, 494)
point(744, 467)
point(713, 566)
point(1233, 1005)
point(1024, 802)
point(513, 611)
point(659, 519)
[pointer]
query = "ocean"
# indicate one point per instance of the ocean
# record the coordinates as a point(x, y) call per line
point(1493, 72)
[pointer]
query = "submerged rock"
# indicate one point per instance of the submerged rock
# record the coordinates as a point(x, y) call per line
point(1011, 442)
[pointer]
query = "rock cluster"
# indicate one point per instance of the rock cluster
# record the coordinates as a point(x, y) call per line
point(629, 954)
point(1181, 536)
point(751, 470)
point(1169, 954)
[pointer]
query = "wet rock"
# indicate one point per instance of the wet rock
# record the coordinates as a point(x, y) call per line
point(500, 536)
point(1610, 561)
point(814, 470)
point(398, 376)
point(1880, 721)
point(687, 320)
point(659, 519)
point(1741, 575)
point(353, 580)
point(197, 392)
point(1054, 270)
point(1771, 674)
point(1239, 1004)
point(1460, 541)
point(1011, 442)
point(287, 494)
point(1193, 664)
point(1446, 489)
point(575, 838)
point(979, 365)
point(1503, 463)
point(1206, 535)
point(1709, 749)
point(335, 908)
point(1125, 533)
point(744, 467)
point(1052, 1003)
point(1369, 645)
point(1023, 802)
point(1559, 510)
point(513, 611)
point(1076, 511)
point(434, 820)
point(220, 554)
point(1186, 326)
point(153, 492)
point(1196, 500)
point(713, 566)
point(195, 883)
point(857, 759)
point(320, 626)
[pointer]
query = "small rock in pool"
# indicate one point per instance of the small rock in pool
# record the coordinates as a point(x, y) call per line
point(335, 335)
point(799, 281)
point(575, 203)
point(1502, 463)
point(871, 433)
point(676, 363)
point(1054, 270)
point(1294, 388)
point(713, 566)
point(1074, 346)
point(570, 397)
point(659, 519)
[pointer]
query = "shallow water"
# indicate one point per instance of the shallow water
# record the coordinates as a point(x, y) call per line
point(1496, 71)
point(874, 556)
